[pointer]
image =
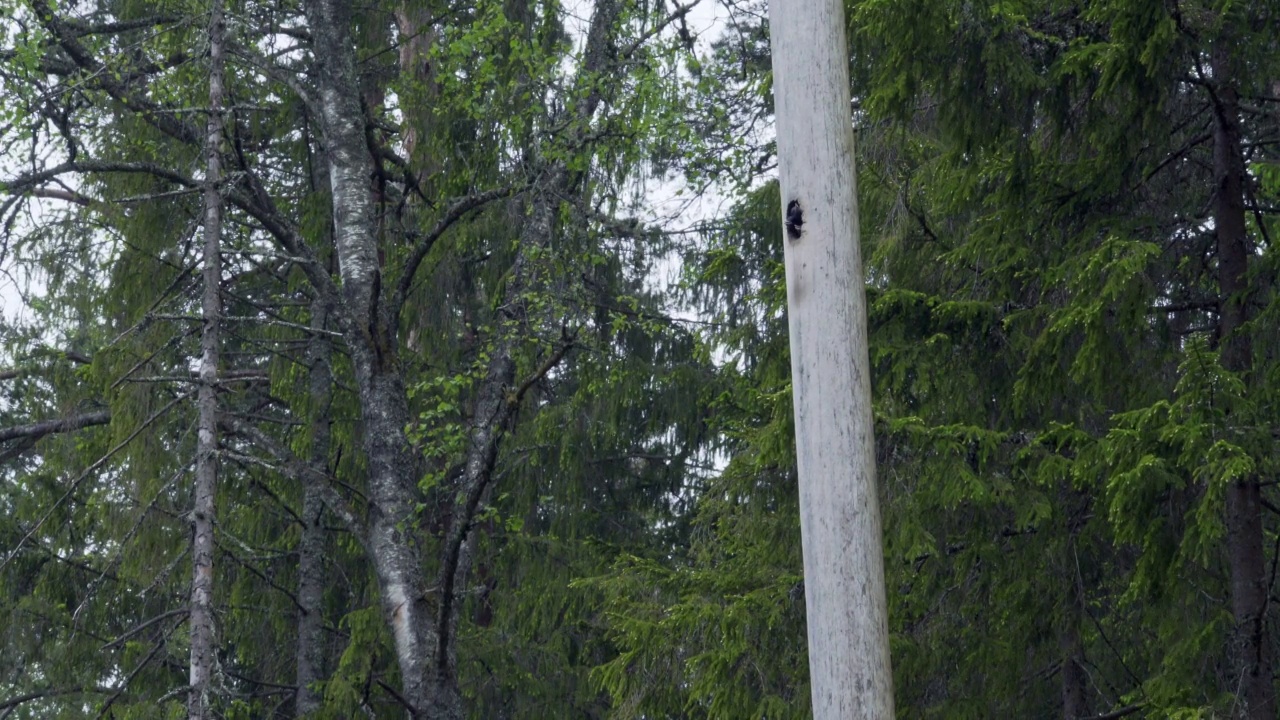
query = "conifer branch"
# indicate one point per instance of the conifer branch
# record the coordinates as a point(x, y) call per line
point(253, 570)
point(155, 649)
point(68, 39)
point(124, 636)
point(38, 430)
point(22, 371)
point(9, 705)
point(258, 205)
point(86, 473)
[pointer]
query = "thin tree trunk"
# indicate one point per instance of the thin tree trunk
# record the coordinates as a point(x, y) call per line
point(201, 619)
point(491, 417)
point(494, 407)
point(1073, 679)
point(1251, 650)
point(826, 310)
point(311, 576)
point(424, 641)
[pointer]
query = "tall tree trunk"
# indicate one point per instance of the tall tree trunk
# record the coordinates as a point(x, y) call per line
point(311, 576)
point(492, 414)
point(826, 311)
point(392, 468)
point(1251, 650)
point(201, 619)
point(425, 641)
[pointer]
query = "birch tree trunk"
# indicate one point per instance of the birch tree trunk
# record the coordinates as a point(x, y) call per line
point(424, 640)
point(201, 619)
point(370, 336)
point(831, 388)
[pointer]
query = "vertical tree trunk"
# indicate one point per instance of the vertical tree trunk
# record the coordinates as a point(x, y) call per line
point(384, 408)
point(424, 641)
point(491, 416)
point(1073, 679)
point(1251, 649)
point(201, 619)
point(310, 649)
point(831, 386)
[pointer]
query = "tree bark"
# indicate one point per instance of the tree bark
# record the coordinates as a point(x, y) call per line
point(413, 22)
point(35, 431)
point(311, 575)
point(425, 641)
point(831, 387)
point(491, 416)
point(1073, 678)
point(392, 468)
point(1251, 650)
point(201, 620)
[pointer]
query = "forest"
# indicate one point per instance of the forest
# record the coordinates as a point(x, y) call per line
point(429, 358)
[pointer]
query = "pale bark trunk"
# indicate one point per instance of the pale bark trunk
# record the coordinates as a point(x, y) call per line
point(1251, 649)
point(425, 641)
point(839, 507)
point(311, 575)
point(203, 657)
point(384, 410)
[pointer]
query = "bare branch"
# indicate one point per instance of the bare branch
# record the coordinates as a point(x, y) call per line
point(679, 13)
point(49, 427)
point(11, 703)
point(566, 343)
point(424, 244)
point(82, 28)
point(60, 194)
point(28, 181)
point(290, 466)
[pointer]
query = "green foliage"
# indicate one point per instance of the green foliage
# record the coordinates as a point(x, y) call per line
point(1058, 422)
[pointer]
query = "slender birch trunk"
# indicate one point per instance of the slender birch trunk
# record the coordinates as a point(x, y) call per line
point(424, 640)
point(201, 620)
point(835, 449)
